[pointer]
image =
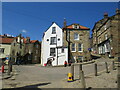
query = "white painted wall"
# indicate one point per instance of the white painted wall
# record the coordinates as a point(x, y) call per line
point(45, 51)
point(6, 50)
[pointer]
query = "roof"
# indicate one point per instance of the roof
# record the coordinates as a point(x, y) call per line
point(6, 40)
point(80, 27)
point(33, 41)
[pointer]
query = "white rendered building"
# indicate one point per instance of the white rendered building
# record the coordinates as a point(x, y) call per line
point(52, 46)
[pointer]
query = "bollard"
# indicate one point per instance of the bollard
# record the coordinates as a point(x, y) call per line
point(70, 77)
point(106, 65)
point(8, 69)
point(83, 80)
point(80, 68)
point(113, 65)
point(72, 71)
point(95, 69)
point(2, 69)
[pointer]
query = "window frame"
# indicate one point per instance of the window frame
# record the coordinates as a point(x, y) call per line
point(76, 35)
point(53, 41)
point(53, 53)
point(73, 47)
point(53, 30)
point(2, 50)
point(80, 47)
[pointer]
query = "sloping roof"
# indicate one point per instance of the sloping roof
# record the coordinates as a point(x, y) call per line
point(80, 27)
point(33, 41)
point(6, 40)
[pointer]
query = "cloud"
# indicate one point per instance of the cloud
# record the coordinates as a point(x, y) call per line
point(24, 31)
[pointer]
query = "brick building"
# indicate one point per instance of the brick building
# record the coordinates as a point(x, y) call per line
point(106, 39)
point(76, 37)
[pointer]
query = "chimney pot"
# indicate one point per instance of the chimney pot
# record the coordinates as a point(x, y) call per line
point(117, 11)
point(105, 15)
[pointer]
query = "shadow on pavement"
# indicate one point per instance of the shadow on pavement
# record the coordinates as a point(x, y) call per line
point(30, 86)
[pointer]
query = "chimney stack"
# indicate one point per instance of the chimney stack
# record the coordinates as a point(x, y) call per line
point(105, 15)
point(65, 23)
point(117, 11)
point(27, 39)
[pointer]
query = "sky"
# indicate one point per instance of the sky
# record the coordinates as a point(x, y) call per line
point(32, 19)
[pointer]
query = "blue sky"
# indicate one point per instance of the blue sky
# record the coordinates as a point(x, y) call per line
point(33, 18)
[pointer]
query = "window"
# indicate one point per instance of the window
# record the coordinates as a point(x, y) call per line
point(35, 57)
point(106, 36)
point(62, 50)
point(53, 40)
point(1, 50)
point(37, 45)
point(73, 47)
point(14, 44)
point(80, 58)
point(105, 27)
point(99, 40)
point(80, 47)
point(36, 51)
point(76, 26)
point(53, 30)
point(52, 51)
point(76, 36)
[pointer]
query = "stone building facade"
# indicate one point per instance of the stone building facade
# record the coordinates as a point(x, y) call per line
point(25, 51)
point(32, 51)
point(106, 39)
point(76, 38)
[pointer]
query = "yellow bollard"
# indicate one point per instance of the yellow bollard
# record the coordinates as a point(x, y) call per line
point(70, 79)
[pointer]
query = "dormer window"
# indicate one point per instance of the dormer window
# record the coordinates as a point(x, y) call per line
point(76, 26)
point(53, 30)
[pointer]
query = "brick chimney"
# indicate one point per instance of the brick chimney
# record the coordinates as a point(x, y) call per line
point(105, 15)
point(117, 11)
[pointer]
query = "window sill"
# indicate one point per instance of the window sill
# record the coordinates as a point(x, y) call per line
point(73, 51)
point(80, 51)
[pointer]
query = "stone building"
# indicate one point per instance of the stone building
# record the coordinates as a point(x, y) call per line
point(76, 37)
point(32, 51)
point(5, 45)
point(106, 36)
point(17, 49)
point(25, 51)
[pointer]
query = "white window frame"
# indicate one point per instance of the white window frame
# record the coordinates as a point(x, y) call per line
point(53, 42)
point(74, 47)
point(81, 47)
point(105, 27)
point(106, 36)
point(54, 54)
point(76, 35)
point(53, 30)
